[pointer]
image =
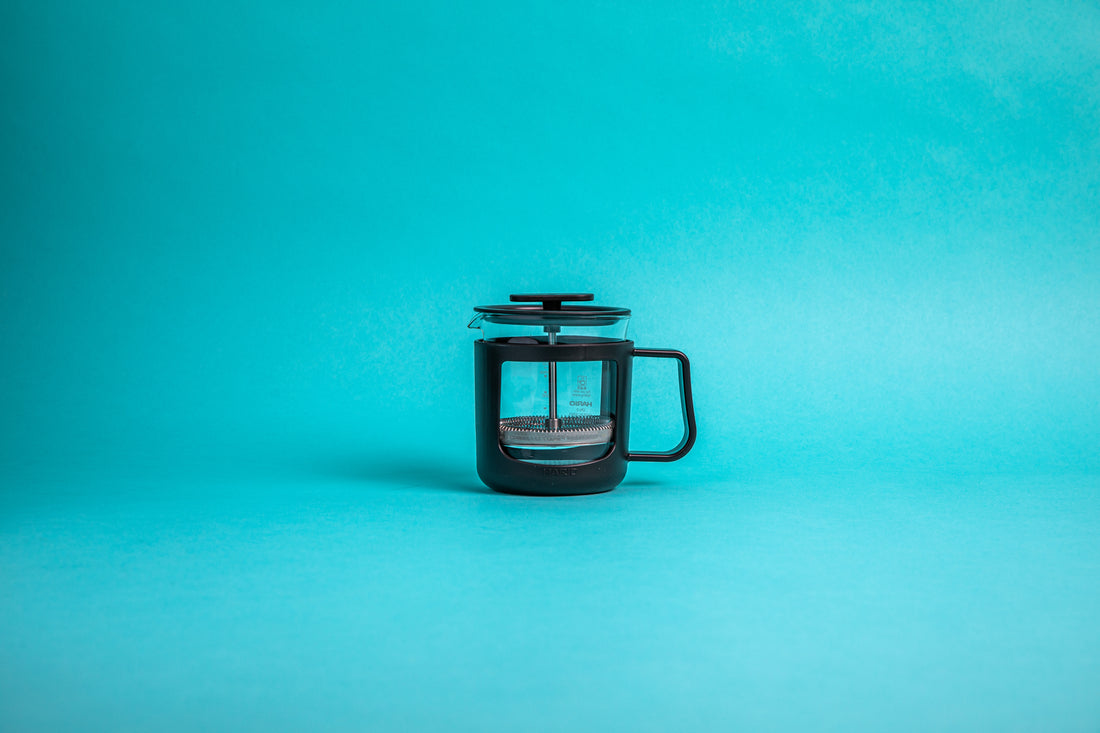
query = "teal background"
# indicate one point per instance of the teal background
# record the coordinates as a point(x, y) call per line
point(241, 241)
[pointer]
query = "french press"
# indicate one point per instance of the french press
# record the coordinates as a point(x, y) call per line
point(552, 391)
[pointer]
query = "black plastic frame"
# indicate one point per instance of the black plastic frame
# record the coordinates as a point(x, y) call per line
point(508, 475)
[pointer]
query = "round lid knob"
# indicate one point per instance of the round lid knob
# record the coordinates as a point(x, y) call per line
point(551, 301)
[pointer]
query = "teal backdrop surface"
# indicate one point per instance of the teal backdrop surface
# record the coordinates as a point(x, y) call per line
point(239, 246)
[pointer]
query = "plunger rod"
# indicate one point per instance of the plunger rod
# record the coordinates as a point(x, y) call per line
point(553, 423)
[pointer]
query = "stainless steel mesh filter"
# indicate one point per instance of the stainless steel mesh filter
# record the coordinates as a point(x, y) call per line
point(532, 430)
point(558, 441)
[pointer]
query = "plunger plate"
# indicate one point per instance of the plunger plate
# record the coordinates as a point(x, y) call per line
point(531, 430)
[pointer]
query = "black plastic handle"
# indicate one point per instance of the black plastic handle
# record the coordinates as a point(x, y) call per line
point(685, 402)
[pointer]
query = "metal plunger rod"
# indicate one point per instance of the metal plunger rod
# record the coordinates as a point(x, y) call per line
point(553, 423)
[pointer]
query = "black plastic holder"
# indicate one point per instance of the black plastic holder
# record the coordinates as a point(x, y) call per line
point(511, 476)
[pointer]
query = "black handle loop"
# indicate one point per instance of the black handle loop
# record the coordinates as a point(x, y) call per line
point(551, 301)
point(686, 404)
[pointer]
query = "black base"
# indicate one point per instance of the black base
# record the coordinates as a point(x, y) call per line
point(516, 492)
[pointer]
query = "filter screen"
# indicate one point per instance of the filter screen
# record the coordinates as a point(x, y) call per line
point(531, 430)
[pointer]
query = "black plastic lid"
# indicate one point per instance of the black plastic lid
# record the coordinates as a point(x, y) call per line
point(552, 310)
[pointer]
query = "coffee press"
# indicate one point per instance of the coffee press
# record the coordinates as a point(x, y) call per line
point(552, 392)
